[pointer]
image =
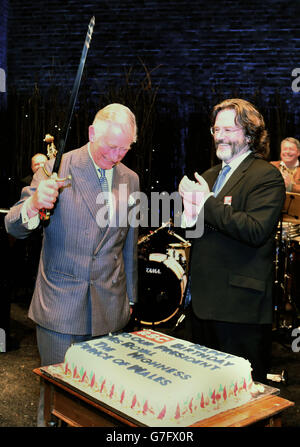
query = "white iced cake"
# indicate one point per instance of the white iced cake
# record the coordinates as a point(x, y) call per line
point(157, 379)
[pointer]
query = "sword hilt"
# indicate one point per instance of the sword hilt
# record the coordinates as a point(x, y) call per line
point(44, 213)
point(54, 176)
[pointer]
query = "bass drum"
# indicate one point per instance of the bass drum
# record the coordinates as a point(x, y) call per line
point(162, 283)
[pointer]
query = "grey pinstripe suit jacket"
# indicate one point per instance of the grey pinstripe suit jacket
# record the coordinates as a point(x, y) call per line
point(78, 258)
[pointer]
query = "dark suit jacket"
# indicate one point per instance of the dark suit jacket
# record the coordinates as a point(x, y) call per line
point(232, 263)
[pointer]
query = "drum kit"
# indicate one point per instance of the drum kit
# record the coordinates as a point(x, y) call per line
point(287, 265)
point(163, 259)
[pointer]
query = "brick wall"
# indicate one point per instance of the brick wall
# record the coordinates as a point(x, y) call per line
point(196, 51)
point(196, 45)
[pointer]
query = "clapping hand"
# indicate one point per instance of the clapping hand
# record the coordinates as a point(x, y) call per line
point(193, 194)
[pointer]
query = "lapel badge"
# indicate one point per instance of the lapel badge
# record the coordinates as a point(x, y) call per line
point(227, 200)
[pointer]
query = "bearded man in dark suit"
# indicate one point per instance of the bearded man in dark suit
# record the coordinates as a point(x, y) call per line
point(232, 262)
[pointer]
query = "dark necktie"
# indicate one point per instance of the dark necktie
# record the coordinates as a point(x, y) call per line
point(220, 180)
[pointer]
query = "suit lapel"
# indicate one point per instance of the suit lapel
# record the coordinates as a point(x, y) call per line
point(237, 176)
point(211, 175)
point(85, 179)
point(118, 180)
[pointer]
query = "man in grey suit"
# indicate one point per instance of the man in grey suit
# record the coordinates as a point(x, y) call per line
point(232, 262)
point(87, 274)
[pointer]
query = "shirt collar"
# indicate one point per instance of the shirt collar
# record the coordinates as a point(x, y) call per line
point(282, 163)
point(237, 161)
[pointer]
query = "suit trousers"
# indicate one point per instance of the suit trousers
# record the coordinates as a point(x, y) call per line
point(250, 341)
point(52, 347)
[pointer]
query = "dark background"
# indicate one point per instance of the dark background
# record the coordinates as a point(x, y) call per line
point(170, 61)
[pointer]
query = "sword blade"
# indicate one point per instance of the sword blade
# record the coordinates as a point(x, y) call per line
point(73, 97)
point(45, 214)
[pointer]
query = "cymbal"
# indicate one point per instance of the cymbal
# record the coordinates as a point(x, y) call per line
point(296, 194)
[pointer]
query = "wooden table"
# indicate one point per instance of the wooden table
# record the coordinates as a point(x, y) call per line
point(62, 403)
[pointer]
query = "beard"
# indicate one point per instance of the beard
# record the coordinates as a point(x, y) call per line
point(229, 150)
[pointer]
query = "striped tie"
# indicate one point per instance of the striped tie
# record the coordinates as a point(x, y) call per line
point(103, 180)
point(104, 186)
point(220, 180)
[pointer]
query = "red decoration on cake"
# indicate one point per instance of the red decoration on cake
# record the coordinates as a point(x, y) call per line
point(122, 396)
point(177, 414)
point(213, 396)
point(133, 401)
point(93, 380)
point(224, 393)
point(75, 372)
point(191, 405)
point(112, 391)
point(202, 401)
point(245, 385)
point(145, 407)
point(66, 368)
point(102, 386)
point(235, 388)
point(83, 377)
point(162, 413)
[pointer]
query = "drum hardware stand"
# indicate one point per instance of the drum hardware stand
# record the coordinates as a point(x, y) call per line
point(278, 282)
point(180, 320)
point(172, 233)
point(183, 308)
point(282, 328)
point(291, 215)
point(148, 236)
point(283, 280)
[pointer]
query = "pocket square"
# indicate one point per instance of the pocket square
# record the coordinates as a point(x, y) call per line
point(131, 200)
point(227, 200)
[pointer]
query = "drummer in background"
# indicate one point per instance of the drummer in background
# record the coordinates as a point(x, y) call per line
point(37, 161)
point(289, 164)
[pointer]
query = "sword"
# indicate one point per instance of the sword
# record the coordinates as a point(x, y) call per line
point(45, 214)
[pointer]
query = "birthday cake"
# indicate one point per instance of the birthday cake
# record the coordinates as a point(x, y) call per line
point(157, 379)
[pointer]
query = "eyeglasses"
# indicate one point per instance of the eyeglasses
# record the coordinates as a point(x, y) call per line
point(227, 130)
